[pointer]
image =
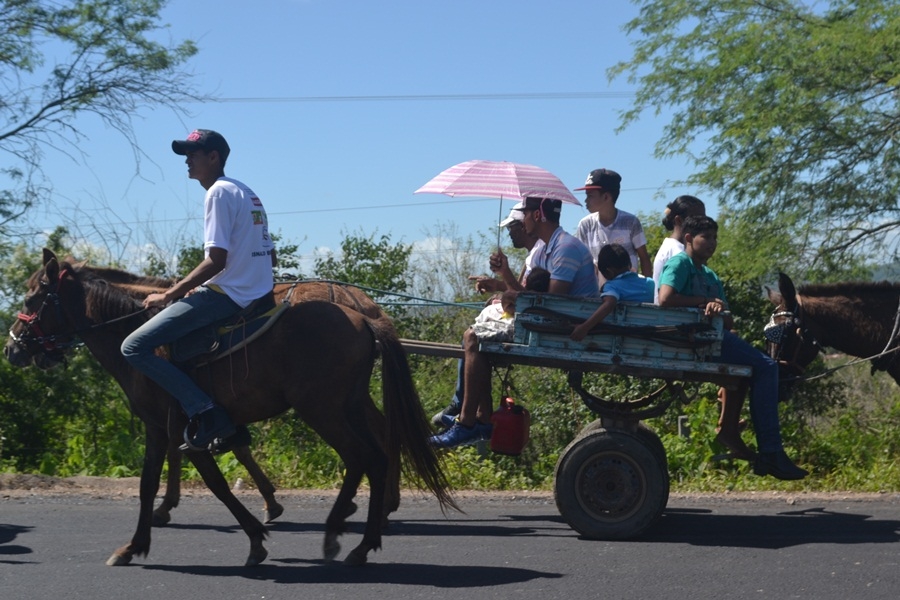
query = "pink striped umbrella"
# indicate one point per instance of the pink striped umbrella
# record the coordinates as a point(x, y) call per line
point(498, 179)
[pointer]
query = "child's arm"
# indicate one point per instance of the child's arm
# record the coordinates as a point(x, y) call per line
point(711, 306)
point(607, 305)
point(669, 297)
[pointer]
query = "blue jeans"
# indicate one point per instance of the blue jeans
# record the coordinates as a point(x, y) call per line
point(200, 309)
point(763, 389)
point(458, 394)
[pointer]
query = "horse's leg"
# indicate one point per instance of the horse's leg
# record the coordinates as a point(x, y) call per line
point(154, 454)
point(378, 424)
point(377, 474)
point(161, 515)
point(894, 370)
point(336, 523)
point(273, 509)
point(215, 481)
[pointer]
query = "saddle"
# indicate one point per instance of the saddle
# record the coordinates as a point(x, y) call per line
point(220, 339)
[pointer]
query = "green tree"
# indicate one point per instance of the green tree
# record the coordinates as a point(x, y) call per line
point(795, 108)
point(59, 60)
point(366, 261)
point(189, 255)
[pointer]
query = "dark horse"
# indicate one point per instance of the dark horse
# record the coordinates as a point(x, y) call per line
point(859, 319)
point(317, 359)
point(293, 292)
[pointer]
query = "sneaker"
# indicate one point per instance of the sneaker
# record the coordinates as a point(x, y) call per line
point(208, 429)
point(441, 419)
point(460, 435)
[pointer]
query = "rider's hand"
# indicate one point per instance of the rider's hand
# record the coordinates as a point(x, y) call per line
point(155, 300)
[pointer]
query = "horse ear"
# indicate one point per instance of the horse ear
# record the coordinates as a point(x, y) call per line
point(786, 287)
point(48, 256)
point(51, 267)
point(774, 297)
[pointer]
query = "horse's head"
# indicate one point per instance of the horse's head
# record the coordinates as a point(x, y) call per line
point(42, 332)
point(788, 340)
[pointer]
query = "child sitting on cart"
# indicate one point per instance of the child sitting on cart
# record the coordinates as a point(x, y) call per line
point(496, 320)
point(622, 283)
point(686, 281)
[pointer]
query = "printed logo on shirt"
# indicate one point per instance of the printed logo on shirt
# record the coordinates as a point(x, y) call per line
point(257, 217)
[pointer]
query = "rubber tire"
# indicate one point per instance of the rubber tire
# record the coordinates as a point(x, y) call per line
point(610, 485)
point(645, 432)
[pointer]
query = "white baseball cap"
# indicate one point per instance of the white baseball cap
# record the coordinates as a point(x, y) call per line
point(515, 214)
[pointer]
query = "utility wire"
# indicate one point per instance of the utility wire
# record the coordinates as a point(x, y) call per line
point(429, 97)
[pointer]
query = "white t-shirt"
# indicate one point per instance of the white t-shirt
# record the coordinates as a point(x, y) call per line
point(626, 231)
point(669, 248)
point(529, 259)
point(235, 220)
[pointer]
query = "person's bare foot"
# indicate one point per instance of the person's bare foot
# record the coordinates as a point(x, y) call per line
point(736, 446)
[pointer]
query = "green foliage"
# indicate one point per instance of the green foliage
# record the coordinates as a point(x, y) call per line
point(788, 110)
point(367, 262)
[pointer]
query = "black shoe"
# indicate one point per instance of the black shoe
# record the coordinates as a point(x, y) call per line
point(240, 438)
point(207, 430)
point(778, 465)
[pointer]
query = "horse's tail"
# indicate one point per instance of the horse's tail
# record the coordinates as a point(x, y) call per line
point(408, 428)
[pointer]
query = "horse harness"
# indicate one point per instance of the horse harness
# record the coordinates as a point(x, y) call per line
point(54, 346)
point(776, 332)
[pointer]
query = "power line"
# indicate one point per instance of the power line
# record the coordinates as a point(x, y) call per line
point(406, 205)
point(431, 97)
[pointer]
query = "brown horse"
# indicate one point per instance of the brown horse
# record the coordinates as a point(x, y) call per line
point(317, 359)
point(859, 319)
point(293, 292)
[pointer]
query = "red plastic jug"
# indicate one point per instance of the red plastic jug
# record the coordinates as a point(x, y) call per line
point(511, 426)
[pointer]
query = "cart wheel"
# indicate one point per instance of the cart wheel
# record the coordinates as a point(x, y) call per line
point(644, 432)
point(610, 485)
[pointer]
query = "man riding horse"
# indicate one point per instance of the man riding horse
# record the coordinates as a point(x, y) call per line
point(236, 270)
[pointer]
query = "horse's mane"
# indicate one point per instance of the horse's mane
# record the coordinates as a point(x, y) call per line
point(857, 317)
point(849, 288)
point(111, 292)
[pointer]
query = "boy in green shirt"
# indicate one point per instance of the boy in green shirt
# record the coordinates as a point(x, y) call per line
point(686, 281)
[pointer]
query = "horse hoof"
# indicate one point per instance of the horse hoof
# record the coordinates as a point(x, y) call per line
point(257, 555)
point(160, 518)
point(118, 560)
point(356, 558)
point(331, 547)
point(273, 512)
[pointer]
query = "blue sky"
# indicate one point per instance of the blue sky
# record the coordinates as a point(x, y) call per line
point(327, 167)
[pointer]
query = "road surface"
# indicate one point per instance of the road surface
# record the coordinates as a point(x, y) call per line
point(54, 545)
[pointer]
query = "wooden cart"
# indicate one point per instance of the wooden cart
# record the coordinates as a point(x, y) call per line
point(612, 480)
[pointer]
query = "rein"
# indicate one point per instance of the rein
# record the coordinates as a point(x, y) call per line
point(831, 370)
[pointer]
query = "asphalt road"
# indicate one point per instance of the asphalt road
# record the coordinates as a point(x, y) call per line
point(503, 547)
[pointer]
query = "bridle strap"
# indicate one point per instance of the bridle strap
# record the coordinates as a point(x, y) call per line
point(49, 343)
